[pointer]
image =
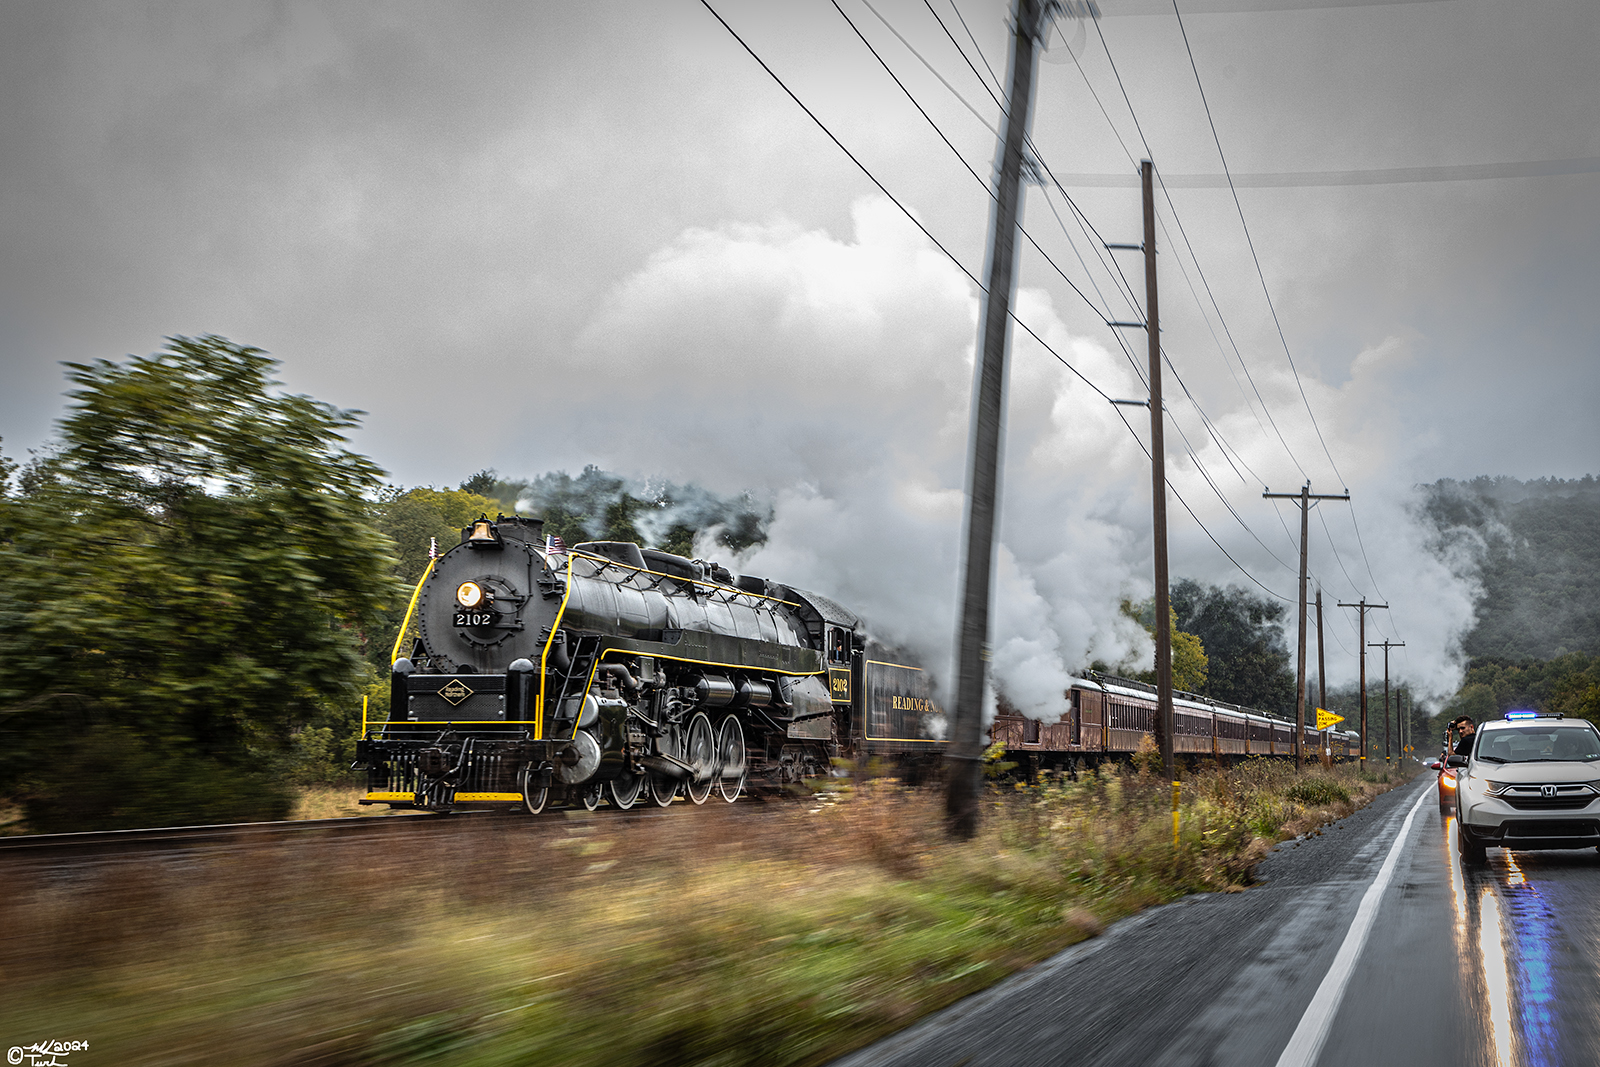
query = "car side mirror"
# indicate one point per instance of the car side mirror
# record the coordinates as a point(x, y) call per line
point(1456, 761)
point(1434, 765)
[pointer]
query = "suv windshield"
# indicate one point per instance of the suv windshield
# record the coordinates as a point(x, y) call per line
point(1534, 744)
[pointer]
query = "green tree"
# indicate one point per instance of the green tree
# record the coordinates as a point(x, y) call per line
point(188, 582)
point(1247, 655)
point(1568, 684)
point(1189, 660)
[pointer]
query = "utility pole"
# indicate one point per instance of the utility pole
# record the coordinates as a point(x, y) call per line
point(1158, 485)
point(1305, 496)
point(1322, 664)
point(1164, 725)
point(1158, 489)
point(1386, 646)
point(1400, 717)
point(988, 416)
point(1361, 643)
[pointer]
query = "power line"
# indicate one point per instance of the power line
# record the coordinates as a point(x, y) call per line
point(1210, 427)
point(1322, 179)
point(823, 127)
point(970, 37)
point(959, 266)
point(975, 74)
point(1300, 385)
point(932, 70)
point(1250, 243)
point(1126, 291)
point(1106, 47)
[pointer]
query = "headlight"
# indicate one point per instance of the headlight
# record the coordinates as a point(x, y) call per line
point(1494, 789)
point(469, 594)
point(1447, 782)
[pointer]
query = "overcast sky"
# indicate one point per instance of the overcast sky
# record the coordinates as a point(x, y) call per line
point(533, 236)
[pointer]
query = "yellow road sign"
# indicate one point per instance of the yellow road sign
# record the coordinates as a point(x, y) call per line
point(1326, 719)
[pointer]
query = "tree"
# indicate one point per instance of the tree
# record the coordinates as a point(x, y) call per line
point(1534, 551)
point(1247, 653)
point(188, 581)
point(1189, 660)
point(481, 484)
point(1568, 684)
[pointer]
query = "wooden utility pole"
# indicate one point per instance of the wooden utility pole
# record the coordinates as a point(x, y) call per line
point(1322, 664)
point(1361, 644)
point(1386, 646)
point(1158, 486)
point(1305, 496)
point(988, 415)
point(1164, 724)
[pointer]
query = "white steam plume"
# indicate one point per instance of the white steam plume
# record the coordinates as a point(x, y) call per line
point(835, 374)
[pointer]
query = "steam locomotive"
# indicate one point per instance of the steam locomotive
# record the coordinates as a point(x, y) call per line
point(613, 672)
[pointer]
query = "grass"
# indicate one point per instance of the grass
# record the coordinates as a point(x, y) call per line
point(333, 802)
point(785, 936)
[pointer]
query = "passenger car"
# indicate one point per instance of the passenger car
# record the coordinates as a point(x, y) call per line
point(1532, 781)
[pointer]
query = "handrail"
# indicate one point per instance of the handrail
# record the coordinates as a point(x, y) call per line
point(406, 625)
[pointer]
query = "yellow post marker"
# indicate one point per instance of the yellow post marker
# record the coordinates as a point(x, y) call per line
point(363, 715)
point(1176, 788)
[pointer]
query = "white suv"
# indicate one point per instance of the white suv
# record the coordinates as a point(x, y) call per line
point(1532, 781)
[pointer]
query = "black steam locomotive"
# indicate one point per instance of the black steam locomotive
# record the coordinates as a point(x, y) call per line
point(613, 672)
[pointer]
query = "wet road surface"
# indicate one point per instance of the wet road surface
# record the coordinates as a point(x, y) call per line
point(1496, 965)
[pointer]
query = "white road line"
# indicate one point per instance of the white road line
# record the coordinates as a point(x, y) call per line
point(1309, 1036)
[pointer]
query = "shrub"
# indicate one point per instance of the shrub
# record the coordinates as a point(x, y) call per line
point(1318, 792)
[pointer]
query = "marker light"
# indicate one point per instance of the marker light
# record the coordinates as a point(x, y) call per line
point(469, 594)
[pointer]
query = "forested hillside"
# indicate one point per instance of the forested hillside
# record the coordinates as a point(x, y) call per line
point(1538, 556)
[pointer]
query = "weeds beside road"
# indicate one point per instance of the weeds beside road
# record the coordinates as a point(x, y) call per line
point(674, 941)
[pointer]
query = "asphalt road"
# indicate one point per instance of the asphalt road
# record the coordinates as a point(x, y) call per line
point(1495, 965)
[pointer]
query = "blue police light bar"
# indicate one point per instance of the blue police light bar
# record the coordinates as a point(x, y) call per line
point(1522, 714)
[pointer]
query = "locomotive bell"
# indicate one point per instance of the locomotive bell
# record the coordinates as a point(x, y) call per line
point(483, 534)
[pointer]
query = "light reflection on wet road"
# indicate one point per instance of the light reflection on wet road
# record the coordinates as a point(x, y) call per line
point(1493, 964)
point(1525, 925)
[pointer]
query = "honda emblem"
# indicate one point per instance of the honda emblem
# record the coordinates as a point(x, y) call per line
point(1548, 790)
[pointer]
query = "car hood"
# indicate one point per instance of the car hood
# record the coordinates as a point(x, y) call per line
point(1525, 773)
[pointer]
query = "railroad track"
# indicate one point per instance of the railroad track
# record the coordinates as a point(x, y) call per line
point(106, 844)
point(179, 838)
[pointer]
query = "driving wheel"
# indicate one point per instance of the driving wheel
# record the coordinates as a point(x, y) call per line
point(730, 759)
point(702, 756)
point(625, 789)
point(535, 791)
